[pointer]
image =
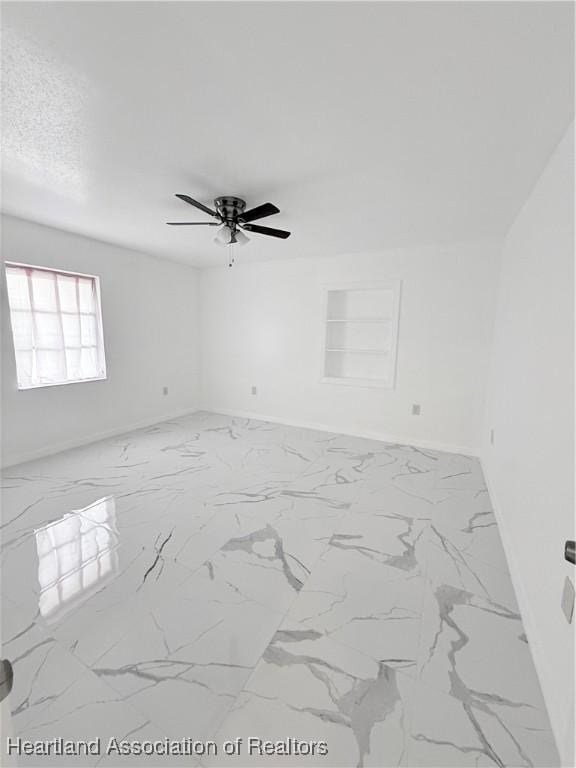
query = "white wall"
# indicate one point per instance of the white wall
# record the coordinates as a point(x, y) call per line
point(530, 406)
point(262, 325)
point(150, 316)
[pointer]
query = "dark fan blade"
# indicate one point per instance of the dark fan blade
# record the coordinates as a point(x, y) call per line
point(193, 223)
point(266, 231)
point(266, 209)
point(196, 204)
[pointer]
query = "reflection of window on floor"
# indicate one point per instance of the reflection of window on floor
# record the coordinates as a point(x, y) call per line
point(75, 554)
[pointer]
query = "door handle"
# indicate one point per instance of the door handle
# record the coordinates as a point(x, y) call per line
point(570, 551)
point(6, 678)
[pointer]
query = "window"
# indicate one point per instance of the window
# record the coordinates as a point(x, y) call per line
point(56, 326)
point(360, 334)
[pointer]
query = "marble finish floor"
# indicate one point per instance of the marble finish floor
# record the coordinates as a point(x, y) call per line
point(215, 578)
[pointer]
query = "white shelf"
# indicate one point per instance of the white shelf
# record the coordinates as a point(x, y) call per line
point(353, 382)
point(357, 320)
point(360, 334)
point(362, 351)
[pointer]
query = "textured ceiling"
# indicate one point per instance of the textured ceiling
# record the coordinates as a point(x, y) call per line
point(370, 125)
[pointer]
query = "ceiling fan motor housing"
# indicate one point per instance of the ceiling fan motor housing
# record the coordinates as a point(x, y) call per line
point(229, 208)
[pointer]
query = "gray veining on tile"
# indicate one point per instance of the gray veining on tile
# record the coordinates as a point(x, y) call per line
point(217, 577)
point(309, 686)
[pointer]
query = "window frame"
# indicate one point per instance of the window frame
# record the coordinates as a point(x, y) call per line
point(98, 316)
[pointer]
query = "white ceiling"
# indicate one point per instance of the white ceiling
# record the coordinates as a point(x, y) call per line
point(370, 125)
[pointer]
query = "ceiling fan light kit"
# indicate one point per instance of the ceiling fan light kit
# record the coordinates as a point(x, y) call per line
point(232, 218)
point(227, 236)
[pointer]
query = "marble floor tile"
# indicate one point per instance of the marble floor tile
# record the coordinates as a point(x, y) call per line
point(43, 669)
point(409, 472)
point(269, 541)
point(476, 650)
point(184, 661)
point(391, 500)
point(97, 625)
point(260, 568)
point(349, 599)
point(132, 748)
point(334, 479)
point(396, 541)
point(466, 510)
point(480, 543)
point(446, 564)
point(313, 689)
point(87, 710)
point(452, 732)
point(212, 577)
point(457, 472)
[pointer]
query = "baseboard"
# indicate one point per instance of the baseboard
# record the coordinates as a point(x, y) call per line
point(384, 437)
point(67, 445)
point(530, 626)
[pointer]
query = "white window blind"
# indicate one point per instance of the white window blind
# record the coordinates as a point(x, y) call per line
point(56, 326)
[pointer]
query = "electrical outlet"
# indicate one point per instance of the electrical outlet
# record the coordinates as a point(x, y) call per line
point(416, 409)
point(254, 391)
point(164, 391)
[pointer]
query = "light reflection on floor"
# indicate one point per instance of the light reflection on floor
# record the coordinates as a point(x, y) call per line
point(75, 555)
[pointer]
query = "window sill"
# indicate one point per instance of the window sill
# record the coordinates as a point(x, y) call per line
point(61, 383)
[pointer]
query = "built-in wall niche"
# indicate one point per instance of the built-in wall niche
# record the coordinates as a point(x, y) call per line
point(360, 334)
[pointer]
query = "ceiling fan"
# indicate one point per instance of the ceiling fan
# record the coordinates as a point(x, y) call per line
point(232, 218)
